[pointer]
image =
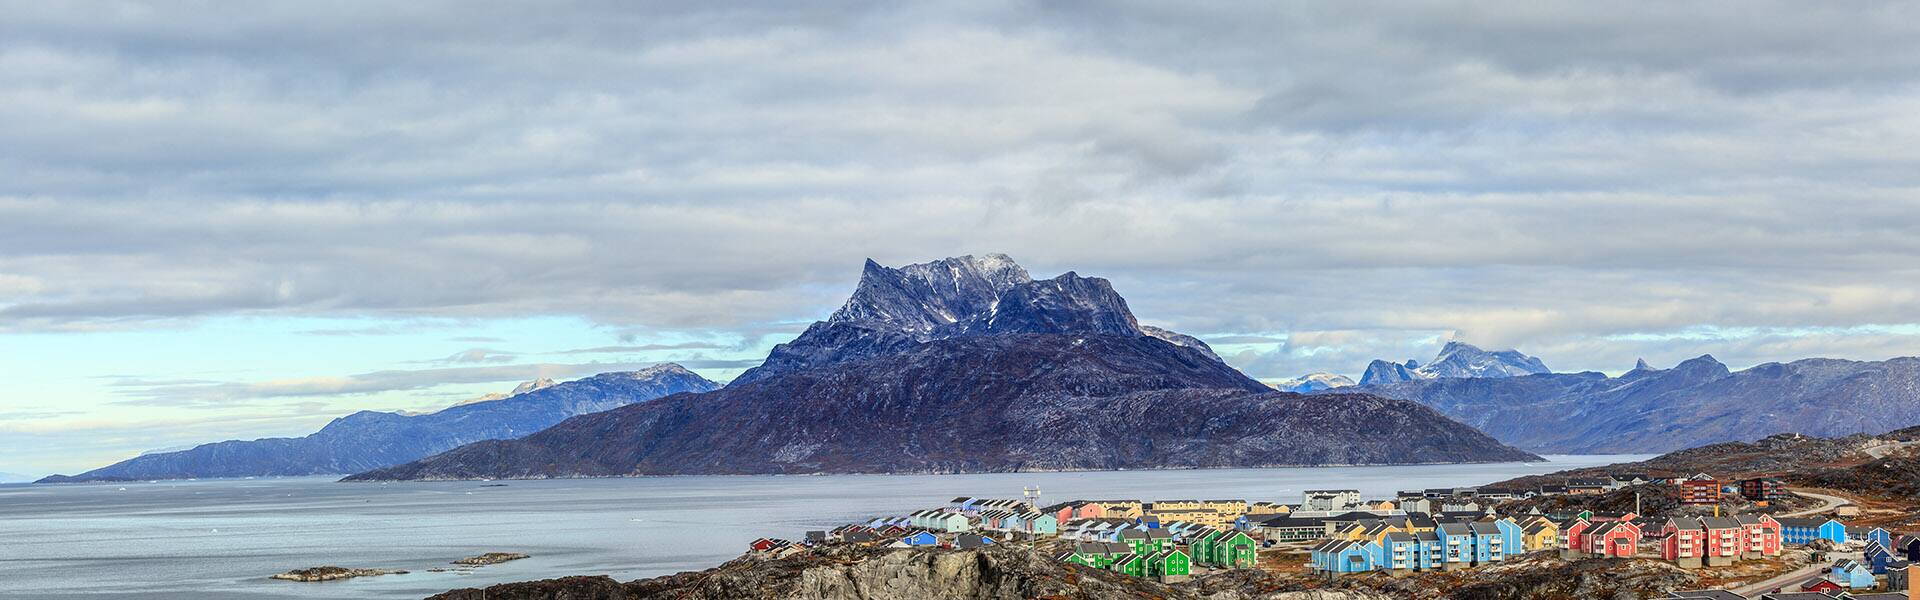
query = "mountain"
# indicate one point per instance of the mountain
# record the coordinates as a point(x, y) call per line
point(980, 404)
point(1313, 382)
point(1699, 401)
point(921, 371)
point(537, 384)
point(893, 309)
point(369, 440)
point(1456, 360)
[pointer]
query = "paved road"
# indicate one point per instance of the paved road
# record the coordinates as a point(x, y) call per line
point(1831, 503)
point(1789, 581)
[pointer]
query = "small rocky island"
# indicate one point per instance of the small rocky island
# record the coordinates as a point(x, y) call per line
point(333, 573)
point(490, 558)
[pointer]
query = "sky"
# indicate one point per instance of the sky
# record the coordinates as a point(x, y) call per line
point(235, 220)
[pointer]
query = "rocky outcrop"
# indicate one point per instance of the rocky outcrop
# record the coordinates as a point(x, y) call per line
point(370, 440)
point(853, 573)
point(333, 574)
point(490, 558)
point(1696, 402)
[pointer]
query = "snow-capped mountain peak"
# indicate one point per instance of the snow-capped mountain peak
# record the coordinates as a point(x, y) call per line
point(1313, 382)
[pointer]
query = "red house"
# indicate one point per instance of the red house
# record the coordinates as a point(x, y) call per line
point(1616, 539)
point(1820, 586)
point(1760, 536)
point(1685, 542)
point(1723, 542)
point(1571, 540)
point(1068, 511)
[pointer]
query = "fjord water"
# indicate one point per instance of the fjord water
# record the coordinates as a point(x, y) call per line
point(222, 538)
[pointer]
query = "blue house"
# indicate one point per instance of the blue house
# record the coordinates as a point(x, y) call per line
point(1430, 549)
point(1513, 537)
point(1488, 545)
point(1346, 556)
point(921, 538)
point(1400, 551)
point(1880, 534)
point(1805, 531)
point(1851, 574)
point(1877, 557)
point(1456, 545)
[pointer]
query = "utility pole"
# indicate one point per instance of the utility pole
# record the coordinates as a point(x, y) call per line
point(1032, 494)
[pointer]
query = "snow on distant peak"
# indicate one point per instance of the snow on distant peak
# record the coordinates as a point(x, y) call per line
point(1313, 382)
point(1456, 360)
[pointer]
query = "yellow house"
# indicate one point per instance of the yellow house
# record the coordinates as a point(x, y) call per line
point(1232, 507)
point(1163, 505)
point(1201, 516)
point(1120, 509)
point(1539, 533)
point(1383, 505)
point(1268, 508)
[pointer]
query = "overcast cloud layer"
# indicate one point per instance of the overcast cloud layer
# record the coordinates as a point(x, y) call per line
point(1310, 186)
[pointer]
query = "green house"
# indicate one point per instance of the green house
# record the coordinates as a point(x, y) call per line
point(1233, 550)
point(1169, 563)
point(1201, 544)
point(1131, 564)
point(1146, 541)
point(1099, 555)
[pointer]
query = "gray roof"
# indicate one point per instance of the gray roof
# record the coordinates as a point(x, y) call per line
point(1709, 594)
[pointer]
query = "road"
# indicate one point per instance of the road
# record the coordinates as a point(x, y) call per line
point(1831, 503)
point(1789, 581)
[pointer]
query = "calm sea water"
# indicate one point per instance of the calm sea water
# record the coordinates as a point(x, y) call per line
point(221, 539)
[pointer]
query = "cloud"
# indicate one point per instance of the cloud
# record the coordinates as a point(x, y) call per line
point(479, 355)
point(646, 348)
point(1550, 176)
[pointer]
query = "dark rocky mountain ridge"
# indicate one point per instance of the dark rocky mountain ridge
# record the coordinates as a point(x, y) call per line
point(1700, 401)
point(893, 309)
point(1049, 375)
point(980, 404)
point(370, 440)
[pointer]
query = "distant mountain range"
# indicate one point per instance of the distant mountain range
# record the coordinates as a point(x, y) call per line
point(1699, 401)
point(370, 440)
point(1313, 382)
point(1456, 360)
point(969, 365)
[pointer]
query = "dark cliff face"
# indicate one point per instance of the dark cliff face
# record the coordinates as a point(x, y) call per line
point(980, 404)
point(1697, 402)
point(370, 440)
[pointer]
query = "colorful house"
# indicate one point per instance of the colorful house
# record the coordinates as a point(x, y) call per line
point(1200, 543)
point(1345, 556)
point(1456, 543)
point(1851, 574)
point(1233, 550)
point(1169, 563)
point(1877, 557)
point(1805, 531)
point(1146, 541)
point(1723, 540)
point(1684, 542)
point(918, 538)
point(1821, 585)
point(1099, 555)
point(1068, 511)
point(1401, 551)
point(1880, 534)
point(1615, 539)
point(1700, 489)
point(1760, 536)
point(1130, 564)
point(1539, 533)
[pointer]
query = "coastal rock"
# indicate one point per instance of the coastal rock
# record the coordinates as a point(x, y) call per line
point(333, 573)
point(490, 558)
point(855, 573)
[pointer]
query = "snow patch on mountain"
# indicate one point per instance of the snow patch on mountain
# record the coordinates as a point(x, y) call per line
point(1313, 382)
point(1456, 360)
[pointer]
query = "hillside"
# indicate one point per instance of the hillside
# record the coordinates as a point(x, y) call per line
point(370, 440)
point(1699, 401)
point(982, 403)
